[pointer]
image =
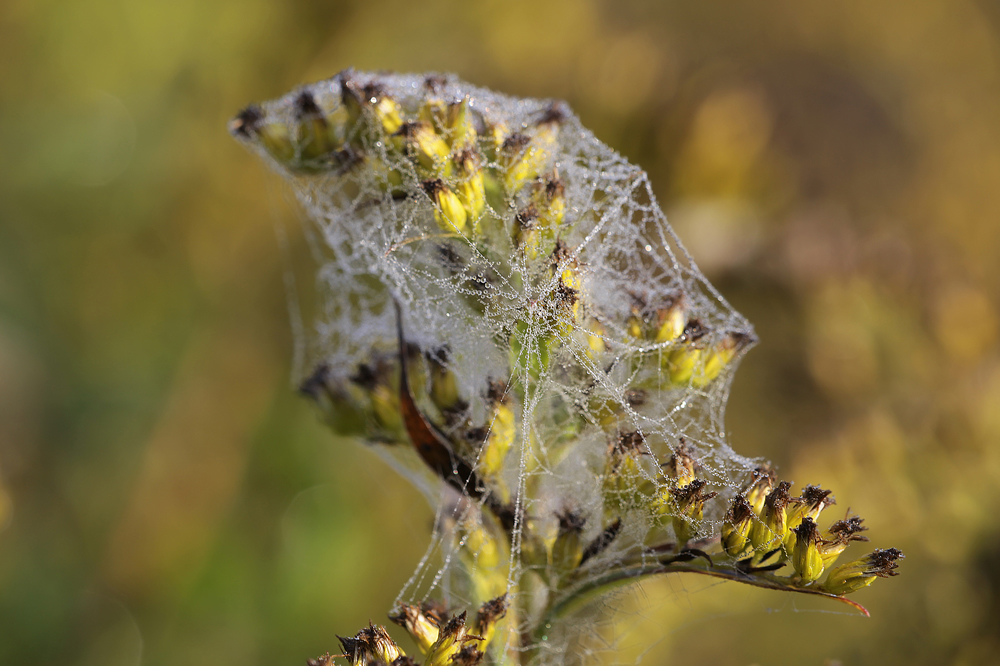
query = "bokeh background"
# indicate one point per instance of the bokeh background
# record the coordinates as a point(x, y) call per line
point(166, 498)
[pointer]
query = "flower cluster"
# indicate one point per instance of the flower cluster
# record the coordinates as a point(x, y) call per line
point(512, 321)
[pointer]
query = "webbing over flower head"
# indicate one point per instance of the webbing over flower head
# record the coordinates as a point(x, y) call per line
point(509, 318)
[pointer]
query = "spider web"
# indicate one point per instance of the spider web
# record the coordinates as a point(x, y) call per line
point(573, 372)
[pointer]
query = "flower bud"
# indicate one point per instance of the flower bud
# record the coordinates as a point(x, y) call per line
point(718, 357)
point(526, 233)
point(523, 157)
point(567, 550)
point(549, 196)
point(458, 127)
point(498, 435)
point(371, 99)
point(681, 466)
point(760, 485)
point(595, 340)
point(839, 536)
point(768, 533)
point(736, 528)
point(470, 187)
point(370, 645)
point(688, 509)
point(806, 558)
point(858, 574)
point(670, 321)
point(418, 141)
point(378, 383)
point(490, 613)
point(634, 327)
point(448, 210)
point(810, 505)
point(342, 403)
point(450, 640)
point(483, 553)
point(626, 484)
point(273, 136)
point(433, 111)
point(422, 627)
point(315, 135)
point(444, 386)
point(682, 362)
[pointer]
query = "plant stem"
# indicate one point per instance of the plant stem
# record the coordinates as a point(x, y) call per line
point(576, 598)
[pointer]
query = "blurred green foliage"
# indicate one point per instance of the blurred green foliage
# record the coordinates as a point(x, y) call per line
point(167, 499)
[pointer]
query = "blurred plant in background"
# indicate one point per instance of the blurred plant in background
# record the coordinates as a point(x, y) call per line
point(831, 167)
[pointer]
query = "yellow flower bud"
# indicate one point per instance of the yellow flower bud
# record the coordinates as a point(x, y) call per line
point(688, 509)
point(736, 528)
point(450, 641)
point(423, 627)
point(858, 574)
point(498, 435)
point(769, 532)
point(671, 321)
point(681, 466)
point(386, 111)
point(682, 362)
point(369, 99)
point(419, 142)
point(523, 157)
point(760, 485)
point(377, 381)
point(372, 644)
point(483, 553)
point(458, 126)
point(718, 357)
point(810, 505)
point(433, 112)
point(444, 386)
point(634, 327)
point(526, 236)
point(595, 340)
point(272, 136)
point(448, 210)
point(470, 187)
point(806, 558)
point(549, 197)
point(495, 135)
point(626, 485)
point(315, 135)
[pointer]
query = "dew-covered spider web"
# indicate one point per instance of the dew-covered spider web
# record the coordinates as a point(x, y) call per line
point(559, 343)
